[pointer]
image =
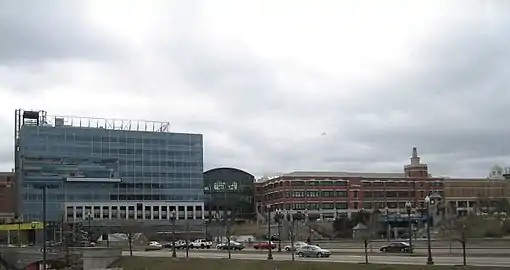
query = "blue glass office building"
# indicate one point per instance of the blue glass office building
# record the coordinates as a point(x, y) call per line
point(106, 169)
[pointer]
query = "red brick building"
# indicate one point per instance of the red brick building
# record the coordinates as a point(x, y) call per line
point(328, 194)
point(7, 196)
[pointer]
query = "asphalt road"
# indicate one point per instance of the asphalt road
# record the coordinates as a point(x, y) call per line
point(390, 259)
point(496, 244)
point(445, 252)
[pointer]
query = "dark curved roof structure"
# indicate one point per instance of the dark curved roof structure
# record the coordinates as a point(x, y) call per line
point(229, 189)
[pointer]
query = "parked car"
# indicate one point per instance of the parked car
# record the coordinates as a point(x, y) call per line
point(296, 246)
point(313, 251)
point(200, 243)
point(397, 247)
point(233, 246)
point(178, 244)
point(153, 245)
point(264, 245)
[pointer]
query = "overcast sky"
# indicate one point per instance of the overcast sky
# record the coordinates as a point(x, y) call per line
point(274, 85)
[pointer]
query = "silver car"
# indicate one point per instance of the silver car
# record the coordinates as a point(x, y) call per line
point(297, 245)
point(313, 251)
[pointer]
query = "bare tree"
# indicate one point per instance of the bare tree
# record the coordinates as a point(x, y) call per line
point(366, 231)
point(130, 229)
point(462, 230)
point(229, 231)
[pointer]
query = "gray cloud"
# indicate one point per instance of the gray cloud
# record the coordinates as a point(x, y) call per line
point(34, 31)
point(456, 100)
point(6, 144)
point(451, 102)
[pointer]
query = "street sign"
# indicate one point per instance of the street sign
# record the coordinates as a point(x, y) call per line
point(21, 226)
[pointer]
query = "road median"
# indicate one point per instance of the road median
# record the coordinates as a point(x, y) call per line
point(456, 253)
point(152, 263)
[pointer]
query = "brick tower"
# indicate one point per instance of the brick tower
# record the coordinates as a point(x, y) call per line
point(416, 169)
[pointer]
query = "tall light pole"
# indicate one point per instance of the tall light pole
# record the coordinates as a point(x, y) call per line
point(408, 206)
point(269, 248)
point(172, 219)
point(206, 236)
point(44, 228)
point(290, 221)
point(388, 227)
point(43, 187)
point(19, 220)
point(89, 216)
point(430, 261)
point(278, 218)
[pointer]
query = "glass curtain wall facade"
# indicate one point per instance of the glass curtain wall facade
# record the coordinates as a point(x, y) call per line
point(98, 166)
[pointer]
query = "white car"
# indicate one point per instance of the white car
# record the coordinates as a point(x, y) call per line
point(153, 245)
point(200, 243)
point(296, 246)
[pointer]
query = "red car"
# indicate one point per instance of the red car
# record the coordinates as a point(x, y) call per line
point(264, 245)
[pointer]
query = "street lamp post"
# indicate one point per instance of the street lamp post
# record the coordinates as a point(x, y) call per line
point(44, 249)
point(278, 219)
point(18, 220)
point(206, 223)
point(89, 216)
point(44, 228)
point(172, 219)
point(291, 220)
point(225, 220)
point(430, 261)
point(269, 247)
point(408, 209)
point(388, 227)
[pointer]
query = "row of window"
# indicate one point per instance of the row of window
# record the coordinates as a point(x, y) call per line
point(151, 161)
point(315, 194)
point(103, 151)
point(372, 183)
point(123, 212)
point(183, 184)
point(112, 197)
point(391, 194)
point(109, 136)
point(176, 148)
point(308, 194)
point(163, 176)
point(298, 183)
point(344, 206)
point(313, 206)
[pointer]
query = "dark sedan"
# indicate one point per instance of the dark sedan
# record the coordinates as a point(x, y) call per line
point(397, 247)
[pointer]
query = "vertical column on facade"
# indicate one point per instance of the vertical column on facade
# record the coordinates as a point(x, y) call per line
point(335, 199)
point(348, 193)
point(397, 187)
point(321, 200)
point(194, 211)
point(74, 212)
